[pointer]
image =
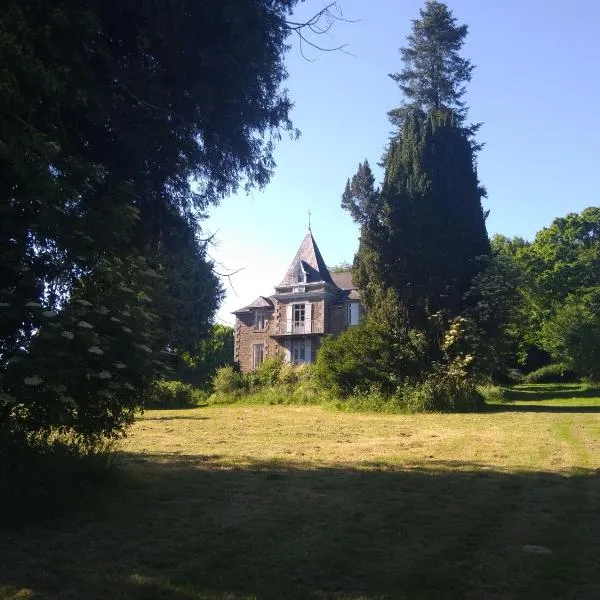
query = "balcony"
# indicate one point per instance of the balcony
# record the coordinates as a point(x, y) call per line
point(298, 327)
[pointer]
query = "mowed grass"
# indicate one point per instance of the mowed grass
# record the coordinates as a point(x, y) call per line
point(302, 502)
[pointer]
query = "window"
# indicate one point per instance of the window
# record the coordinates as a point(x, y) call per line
point(353, 313)
point(258, 354)
point(298, 351)
point(299, 276)
point(260, 320)
point(298, 317)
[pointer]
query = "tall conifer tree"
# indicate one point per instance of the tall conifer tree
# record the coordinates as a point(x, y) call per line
point(425, 230)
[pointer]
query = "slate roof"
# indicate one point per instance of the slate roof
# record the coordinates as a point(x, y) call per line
point(312, 262)
point(260, 302)
point(343, 280)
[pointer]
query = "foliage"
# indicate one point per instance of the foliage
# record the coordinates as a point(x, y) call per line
point(572, 334)
point(341, 267)
point(557, 274)
point(174, 394)
point(368, 357)
point(118, 128)
point(442, 390)
point(85, 372)
point(228, 381)
point(554, 373)
point(433, 74)
point(212, 352)
point(267, 373)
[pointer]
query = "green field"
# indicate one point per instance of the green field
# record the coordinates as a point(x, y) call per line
point(304, 502)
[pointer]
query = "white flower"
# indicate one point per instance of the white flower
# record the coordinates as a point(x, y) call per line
point(35, 380)
point(83, 302)
point(85, 325)
point(95, 350)
point(49, 313)
point(68, 335)
point(104, 375)
point(126, 329)
point(68, 400)
point(33, 305)
point(120, 365)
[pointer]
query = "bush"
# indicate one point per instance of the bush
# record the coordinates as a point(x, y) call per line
point(174, 394)
point(368, 356)
point(441, 392)
point(267, 373)
point(228, 381)
point(493, 394)
point(556, 373)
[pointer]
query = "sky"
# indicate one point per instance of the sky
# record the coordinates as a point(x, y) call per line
point(535, 88)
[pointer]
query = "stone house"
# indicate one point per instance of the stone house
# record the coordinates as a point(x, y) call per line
point(309, 303)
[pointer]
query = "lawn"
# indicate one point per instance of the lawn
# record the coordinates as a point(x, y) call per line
point(286, 502)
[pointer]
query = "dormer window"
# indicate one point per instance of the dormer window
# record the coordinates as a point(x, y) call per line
point(299, 275)
point(260, 320)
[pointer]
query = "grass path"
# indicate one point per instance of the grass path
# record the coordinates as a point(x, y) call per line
point(270, 502)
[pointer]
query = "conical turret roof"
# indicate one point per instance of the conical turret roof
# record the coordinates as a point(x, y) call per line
point(312, 263)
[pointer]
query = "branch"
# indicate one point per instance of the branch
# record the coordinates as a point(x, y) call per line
point(319, 24)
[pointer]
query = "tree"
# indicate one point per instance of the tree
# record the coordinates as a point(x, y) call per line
point(118, 127)
point(558, 275)
point(434, 73)
point(572, 333)
point(429, 228)
point(423, 243)
point(212, 352)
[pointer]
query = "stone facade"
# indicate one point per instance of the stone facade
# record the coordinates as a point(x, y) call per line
point(308, 304)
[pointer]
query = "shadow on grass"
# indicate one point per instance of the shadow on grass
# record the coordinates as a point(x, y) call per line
point(541, 408)
point(192, 527)
point(551, 392)
point(158, 417)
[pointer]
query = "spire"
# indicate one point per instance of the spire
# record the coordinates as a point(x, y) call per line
point(310, 260)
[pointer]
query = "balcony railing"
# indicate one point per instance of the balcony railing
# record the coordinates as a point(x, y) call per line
point(298, 327)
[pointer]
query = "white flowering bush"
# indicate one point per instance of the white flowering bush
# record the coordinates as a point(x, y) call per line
point(89, 365)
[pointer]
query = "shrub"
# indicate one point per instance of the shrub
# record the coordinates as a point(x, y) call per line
point(493, 393)
point(267, 373)
point(440, 391)
point(368, 356)
point(228, 381)
point(555, 373)
point(174, 394)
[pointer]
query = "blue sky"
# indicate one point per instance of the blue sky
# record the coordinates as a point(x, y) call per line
point(536, 88)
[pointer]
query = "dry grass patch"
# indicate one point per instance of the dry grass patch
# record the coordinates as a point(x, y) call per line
point(302, 502)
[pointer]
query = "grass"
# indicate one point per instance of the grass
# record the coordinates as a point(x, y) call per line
point(278, 502)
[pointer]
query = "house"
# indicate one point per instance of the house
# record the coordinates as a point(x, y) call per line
point(309, 303)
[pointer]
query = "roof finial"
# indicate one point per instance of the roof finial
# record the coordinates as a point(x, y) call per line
point(309, 220)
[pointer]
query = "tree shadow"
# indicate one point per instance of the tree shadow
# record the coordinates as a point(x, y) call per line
point(550, 392)
point(194, 527)
point(541, 408)
point(171, 418)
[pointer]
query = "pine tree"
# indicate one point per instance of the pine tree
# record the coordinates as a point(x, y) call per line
point(422, 234)
point(434, 73)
